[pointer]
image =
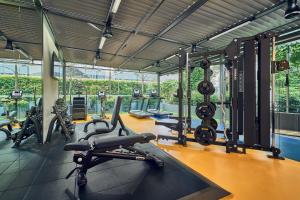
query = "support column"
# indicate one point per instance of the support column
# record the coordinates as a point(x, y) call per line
point(109, 82)
point(287, 87)
point(264, 72)
point(250, 135)
point(158, 84)
point(64, 82)
point(182, 63)
point(142, 78)
point(50, 85)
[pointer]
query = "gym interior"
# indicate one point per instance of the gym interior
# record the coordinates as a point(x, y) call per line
point(161, 99)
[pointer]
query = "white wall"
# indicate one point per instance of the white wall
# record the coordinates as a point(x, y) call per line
point(50, 85)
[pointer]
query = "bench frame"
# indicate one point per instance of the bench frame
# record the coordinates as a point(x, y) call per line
point(6, 130)
point(94, 157)
point(116, 118)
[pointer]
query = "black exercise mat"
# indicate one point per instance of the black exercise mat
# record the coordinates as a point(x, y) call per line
point(116, 179)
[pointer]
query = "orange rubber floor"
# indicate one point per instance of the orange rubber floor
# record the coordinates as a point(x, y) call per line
point(246, 176)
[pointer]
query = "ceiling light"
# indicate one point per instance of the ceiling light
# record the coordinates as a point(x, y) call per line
point(107, 32)
point(115, 6)
point(157, 63)
point(98, 57)
point(231, 29)
point(22, 52)
point(292, 9)
point(148, 67)
point(102, 41)
point(94, 26)
point(290, 32)
point(9, 45)
point(170, 57)
point(194, 48)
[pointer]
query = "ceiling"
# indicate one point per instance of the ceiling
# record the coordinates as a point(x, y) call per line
point(144, 31)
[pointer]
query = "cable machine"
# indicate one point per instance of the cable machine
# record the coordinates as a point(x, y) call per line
point(247, 61)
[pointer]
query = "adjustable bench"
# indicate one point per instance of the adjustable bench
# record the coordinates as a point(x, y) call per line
point(106, 149)
point(8, 129)
point(114, 122)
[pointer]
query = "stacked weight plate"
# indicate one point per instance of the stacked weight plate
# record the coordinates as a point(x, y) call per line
point(205, 133)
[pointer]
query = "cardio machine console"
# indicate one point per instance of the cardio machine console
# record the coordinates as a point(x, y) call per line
point(101, 94)
point(137, 93)
point(16, 94)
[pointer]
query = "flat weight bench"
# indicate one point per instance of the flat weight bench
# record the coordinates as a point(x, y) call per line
point(106, 149)
point(7, 130)
point(114, 122)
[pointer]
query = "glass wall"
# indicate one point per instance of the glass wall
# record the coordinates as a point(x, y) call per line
point(28, 81)
point(93, 79)
point(112, 82)
point(122, 82)
point(288, 83)
point(169, 85)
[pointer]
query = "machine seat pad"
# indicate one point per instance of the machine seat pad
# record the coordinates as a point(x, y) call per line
point(110, 143)
point(125, 141)
point(78, 146)
point(4, 123)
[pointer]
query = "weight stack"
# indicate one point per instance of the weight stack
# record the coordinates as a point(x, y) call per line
point(79, 108)
point(205, 133)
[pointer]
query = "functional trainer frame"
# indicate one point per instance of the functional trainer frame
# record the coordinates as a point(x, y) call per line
point(256, 129)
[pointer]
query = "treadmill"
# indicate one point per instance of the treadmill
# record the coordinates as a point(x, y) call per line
point(153, 105)
point(137, 104)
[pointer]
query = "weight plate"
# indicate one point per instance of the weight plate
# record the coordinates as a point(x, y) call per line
point(205, 64)
point(210, 72)
point(282, 65)
point(206, 88)
point(213, 123)
point(205, 110)
point(228, 64)
point(205, 135)
point(215, 106)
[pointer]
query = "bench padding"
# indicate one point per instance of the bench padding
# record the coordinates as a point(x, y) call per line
point(4, 123)
point(111, 143)
point(78, 146)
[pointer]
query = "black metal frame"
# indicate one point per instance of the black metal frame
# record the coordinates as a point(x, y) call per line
point(181, 120)
point(179, 125)
point(32, 125)
point(108, 130)
point(156, 111)
point(139, 113)
point(59, 122)
point(116, 118)
point(94, 157)
point(249, 105)
point(6, 130)
point(256, 130)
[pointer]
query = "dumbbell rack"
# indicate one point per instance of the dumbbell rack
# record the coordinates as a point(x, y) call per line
point(206, 133)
